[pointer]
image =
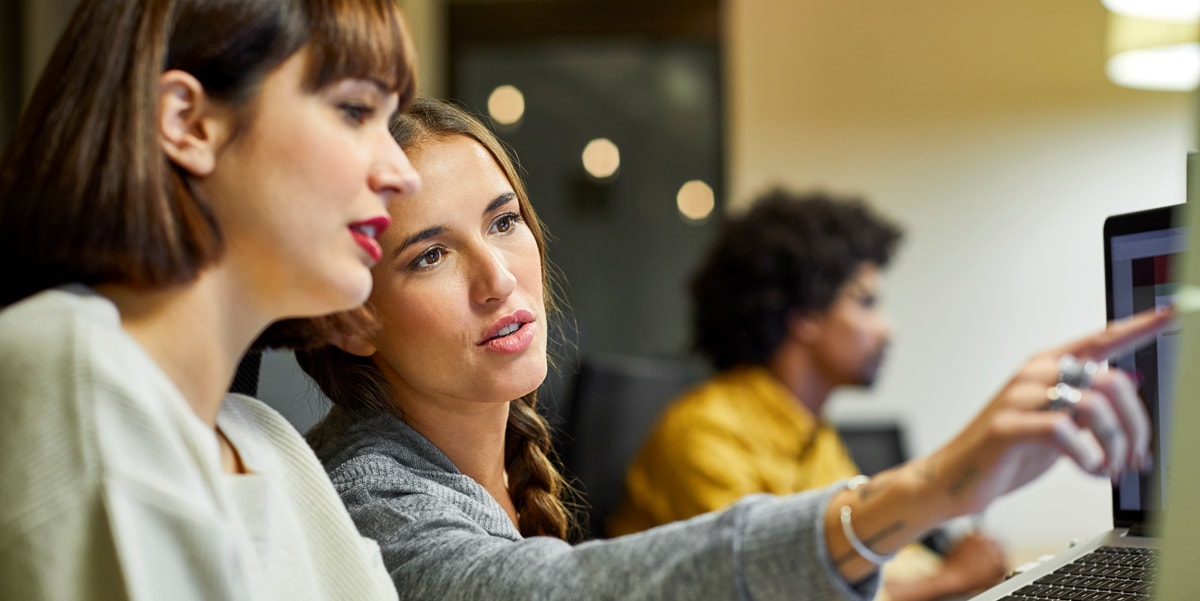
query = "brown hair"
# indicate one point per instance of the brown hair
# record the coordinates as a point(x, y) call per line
point(358, 387)
point(86, 193)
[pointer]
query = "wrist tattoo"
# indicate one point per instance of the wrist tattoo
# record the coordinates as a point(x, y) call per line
point(926, 469)
point(963, 481)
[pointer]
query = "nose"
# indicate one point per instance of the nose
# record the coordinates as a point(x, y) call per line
point(885, 329)
point(393, 176)
point(491, 281)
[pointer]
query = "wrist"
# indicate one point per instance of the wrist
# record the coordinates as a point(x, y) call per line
point(888, 512)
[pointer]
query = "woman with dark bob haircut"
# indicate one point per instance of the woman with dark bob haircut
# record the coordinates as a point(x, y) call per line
point(436, 447)
point(187, 172)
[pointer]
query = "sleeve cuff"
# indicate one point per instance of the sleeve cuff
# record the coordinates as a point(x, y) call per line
point(779, 550)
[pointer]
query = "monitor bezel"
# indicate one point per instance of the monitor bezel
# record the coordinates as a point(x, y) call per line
point(1136, 222)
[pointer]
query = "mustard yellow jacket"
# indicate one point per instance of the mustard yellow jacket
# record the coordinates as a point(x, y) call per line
point(738, 433)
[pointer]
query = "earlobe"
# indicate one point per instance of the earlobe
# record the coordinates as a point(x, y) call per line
point(354, 344)
point(803, 328)
point(189, 127)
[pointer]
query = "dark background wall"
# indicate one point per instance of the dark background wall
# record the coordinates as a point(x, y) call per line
point(645, 75)
point(10, 67)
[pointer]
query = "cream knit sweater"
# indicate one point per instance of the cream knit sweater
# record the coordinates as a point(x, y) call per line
point(111, 487)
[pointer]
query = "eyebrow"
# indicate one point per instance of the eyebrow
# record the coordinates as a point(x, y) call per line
point(500, 201)
point(420, 236)
point(437, 230)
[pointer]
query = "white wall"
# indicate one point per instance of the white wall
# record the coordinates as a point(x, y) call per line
point(988, 130)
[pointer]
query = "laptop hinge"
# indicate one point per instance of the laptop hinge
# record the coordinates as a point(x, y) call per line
point(1140, 530)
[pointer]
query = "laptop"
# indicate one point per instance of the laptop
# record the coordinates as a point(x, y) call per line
point(1140, 250)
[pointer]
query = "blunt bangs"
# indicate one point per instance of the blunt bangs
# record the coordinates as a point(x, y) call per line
point(364, 39)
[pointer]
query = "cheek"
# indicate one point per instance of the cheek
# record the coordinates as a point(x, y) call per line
point(404, 318)
point(526, 265)
point(322, 159)
point(409, 315)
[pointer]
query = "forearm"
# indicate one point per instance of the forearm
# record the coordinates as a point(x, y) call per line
point(763, 548)
point(895, 508)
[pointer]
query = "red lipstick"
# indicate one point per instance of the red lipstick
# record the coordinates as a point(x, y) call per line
point(365, 233)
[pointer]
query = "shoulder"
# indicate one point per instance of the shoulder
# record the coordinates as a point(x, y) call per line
point(44, 331)
point(341, 438)
point(390, 500)
point(87, 408)
point(718, 401)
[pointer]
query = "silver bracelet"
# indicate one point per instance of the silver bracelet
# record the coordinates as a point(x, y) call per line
point(848, 530)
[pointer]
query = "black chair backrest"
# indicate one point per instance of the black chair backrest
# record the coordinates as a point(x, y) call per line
point(874, 446)
point(613, 404)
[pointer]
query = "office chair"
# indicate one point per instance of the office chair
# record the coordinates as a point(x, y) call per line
point(614, 402)
point(874, 446)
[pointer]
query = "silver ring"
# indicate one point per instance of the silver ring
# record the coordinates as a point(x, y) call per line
point(1063, 397)
point(1076, 373)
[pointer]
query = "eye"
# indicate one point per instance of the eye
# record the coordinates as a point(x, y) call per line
point(429, 258)
point(356, 112)
point(505, 223)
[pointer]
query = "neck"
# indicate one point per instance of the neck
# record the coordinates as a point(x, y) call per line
point(796, 370)
point(472, 436)
point(195, 332)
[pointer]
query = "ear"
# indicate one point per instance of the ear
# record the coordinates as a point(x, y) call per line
point(803, 328)
point(355, 344)
point(191, 127)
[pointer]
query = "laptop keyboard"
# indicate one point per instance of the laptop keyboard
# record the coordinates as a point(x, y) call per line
point(1106, 574)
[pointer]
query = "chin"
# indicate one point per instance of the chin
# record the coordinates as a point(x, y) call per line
point(344, 294)
point(528, 380)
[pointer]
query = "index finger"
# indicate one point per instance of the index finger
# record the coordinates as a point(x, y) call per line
point(1121, 336)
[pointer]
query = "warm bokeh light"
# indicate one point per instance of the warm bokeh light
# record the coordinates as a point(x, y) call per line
point(601, 158)
point(506, 105)
point(695, 200)
point(1174, 68)
point(1169, 10)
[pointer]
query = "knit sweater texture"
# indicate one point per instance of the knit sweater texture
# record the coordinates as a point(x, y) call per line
point(444, 537)
point(113, 488)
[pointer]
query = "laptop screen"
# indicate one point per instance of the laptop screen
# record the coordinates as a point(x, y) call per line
point(1141, 250)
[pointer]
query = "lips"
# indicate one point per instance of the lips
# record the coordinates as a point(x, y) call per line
point(510, 334)
point(507, 325)
point(365, 233)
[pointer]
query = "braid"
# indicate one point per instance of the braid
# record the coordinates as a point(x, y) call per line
point(534, 482)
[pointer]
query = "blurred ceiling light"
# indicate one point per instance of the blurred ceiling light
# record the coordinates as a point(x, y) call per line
point(601, 158)
point(1153, 54)
point(695, 200)
point(1163, 10)
point(506, 104)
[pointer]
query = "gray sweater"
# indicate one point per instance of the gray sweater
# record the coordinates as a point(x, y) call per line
point(443, 537)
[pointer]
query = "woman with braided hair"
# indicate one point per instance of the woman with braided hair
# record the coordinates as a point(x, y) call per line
point(436, 449)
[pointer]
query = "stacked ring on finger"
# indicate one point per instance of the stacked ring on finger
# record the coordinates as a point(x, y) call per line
point(1063, 397)
point(1074, 376)
point(1076, 373)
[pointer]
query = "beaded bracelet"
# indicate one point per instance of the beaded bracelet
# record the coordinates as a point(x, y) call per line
point(860, 547)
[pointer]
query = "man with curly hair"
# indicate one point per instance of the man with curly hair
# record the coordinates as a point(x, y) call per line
point(785, 307)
